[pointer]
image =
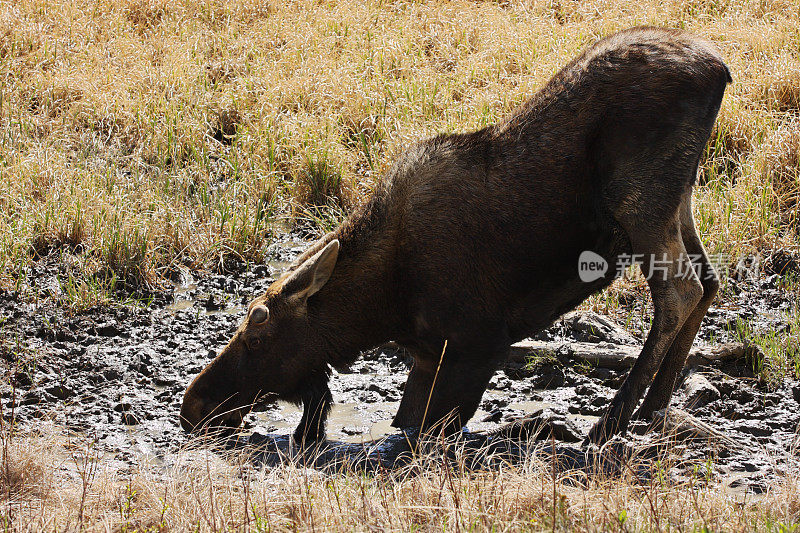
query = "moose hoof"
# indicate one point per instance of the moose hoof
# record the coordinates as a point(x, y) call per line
point(644, 413)
point(648, 408)
point(304, 439)
point(609, 425)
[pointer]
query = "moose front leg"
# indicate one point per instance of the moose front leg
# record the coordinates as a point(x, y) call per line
point(415, 395)
point(317, 400)
point(446, 398)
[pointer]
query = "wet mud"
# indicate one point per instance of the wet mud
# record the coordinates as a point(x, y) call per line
point(116, 375)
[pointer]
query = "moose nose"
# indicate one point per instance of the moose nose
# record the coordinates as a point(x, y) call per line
point(192, 411)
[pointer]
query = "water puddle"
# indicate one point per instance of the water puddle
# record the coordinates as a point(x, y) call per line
point(348, 422)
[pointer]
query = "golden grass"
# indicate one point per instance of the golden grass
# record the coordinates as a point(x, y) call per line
point(148, 134)
point(138, 136)
point(64, 484)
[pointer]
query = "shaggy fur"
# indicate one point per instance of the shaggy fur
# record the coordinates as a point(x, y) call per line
point(474, 239)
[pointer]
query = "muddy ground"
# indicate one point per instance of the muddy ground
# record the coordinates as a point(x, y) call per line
point(117, 374)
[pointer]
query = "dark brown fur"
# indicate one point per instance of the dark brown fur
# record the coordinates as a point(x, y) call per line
point(474, 239)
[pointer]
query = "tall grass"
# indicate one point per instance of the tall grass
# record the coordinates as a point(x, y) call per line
point(145, 134)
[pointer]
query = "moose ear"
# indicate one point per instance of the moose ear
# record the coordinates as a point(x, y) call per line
point(314, 273)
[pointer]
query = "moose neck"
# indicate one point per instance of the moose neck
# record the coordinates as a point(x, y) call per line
point(356, 309)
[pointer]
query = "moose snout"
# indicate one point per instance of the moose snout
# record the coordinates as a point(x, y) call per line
point(199, 409)
point(199, 413)
point(193, 411)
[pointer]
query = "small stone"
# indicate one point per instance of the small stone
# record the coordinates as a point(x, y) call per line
point(499, 382)
point(752, 428)
point(796, 393)
point(31, 398)
point(542, 425)
point(161, 381)
point(261, 271)
point(22, 379)
point(112, 374)
point(592, 327)
point(743, 395)
point(374, 387)
point(600, 401)
point(699, 391)
point(214, 302)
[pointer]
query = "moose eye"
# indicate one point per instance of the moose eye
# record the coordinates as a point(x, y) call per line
point(254, 342)
point(259, 314)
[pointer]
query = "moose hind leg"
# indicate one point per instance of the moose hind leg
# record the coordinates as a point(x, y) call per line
point(660, 392)
point(674, 298)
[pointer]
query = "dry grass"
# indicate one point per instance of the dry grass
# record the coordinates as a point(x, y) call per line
point(146, 134)
point(63, 484)
point(137, 136)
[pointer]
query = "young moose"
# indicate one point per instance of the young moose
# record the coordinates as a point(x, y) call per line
point(475, 239)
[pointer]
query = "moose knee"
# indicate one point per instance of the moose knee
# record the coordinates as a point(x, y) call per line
point(675, 304)
point(691, 292)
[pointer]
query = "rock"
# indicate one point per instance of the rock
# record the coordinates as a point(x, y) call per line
point(494, 416)
point(31, 398)
point(122, 407)
point(596, 354)
point(796, 393)
point(261, 271)
point(600, 401)
point(727, 386)
point(492, 404)
point(112, 374)
point(699, 391)
point(742, 395)
point(499, 382)
point(752, 427)
point(542, 425)
point(617, 356)
point(726, 353)
point(586, 326)
point(673, 421)
point(22, 379)
point(374, 387)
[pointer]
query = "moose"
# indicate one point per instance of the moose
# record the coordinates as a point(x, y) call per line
point(472, 241)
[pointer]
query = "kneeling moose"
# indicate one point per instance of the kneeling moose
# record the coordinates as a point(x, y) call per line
point(475, 239)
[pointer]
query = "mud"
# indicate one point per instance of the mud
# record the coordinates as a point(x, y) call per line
point(116, 375)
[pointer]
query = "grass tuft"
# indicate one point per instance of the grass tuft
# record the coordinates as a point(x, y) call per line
point(781, 168)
